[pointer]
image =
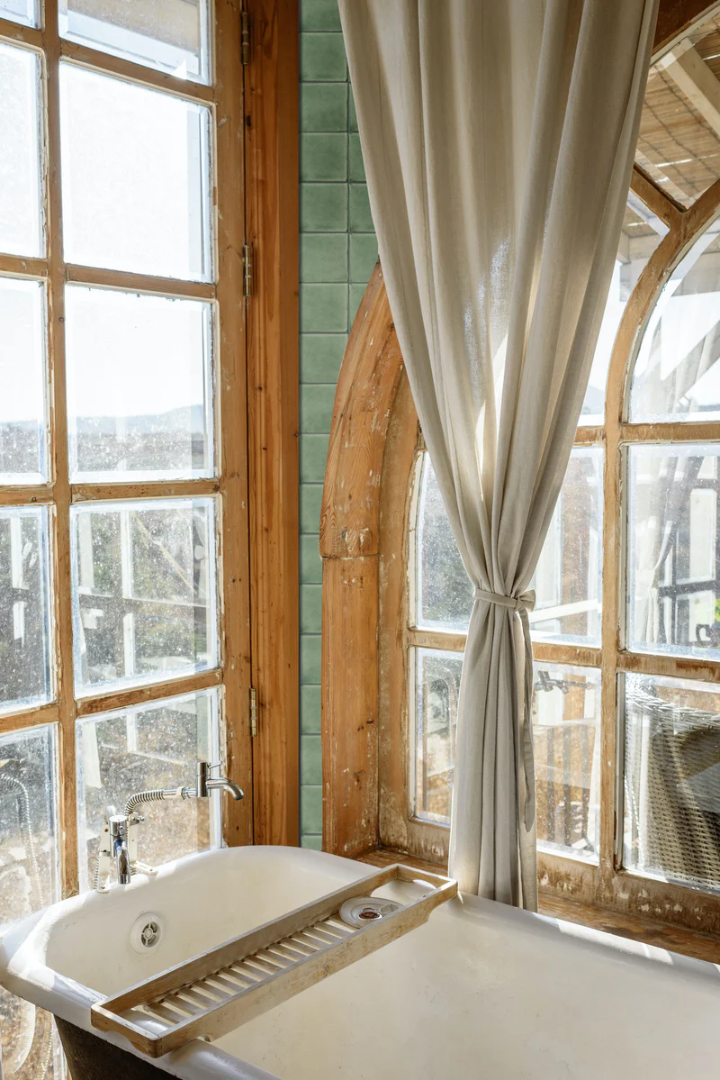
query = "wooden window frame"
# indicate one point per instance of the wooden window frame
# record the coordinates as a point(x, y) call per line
point(365, 529)
point(256, 402)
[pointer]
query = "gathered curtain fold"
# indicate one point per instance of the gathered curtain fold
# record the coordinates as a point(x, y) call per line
point(498, 139)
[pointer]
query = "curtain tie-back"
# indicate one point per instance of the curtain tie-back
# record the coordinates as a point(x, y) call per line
point(523, 603)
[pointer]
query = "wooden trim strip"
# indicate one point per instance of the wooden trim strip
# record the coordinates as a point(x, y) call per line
point(107, 64)
point(273, 342)
point(59, 450)
point(144, 489)
point(589, 436)
point(26, 495)
point(231, 397)
point(27, 718)
point(139, 695)
point(674, 667)
point(15, 34)
point(676, 432)
point(556, 653)
point(140, 283)
point(435, 639)
point(22, 266)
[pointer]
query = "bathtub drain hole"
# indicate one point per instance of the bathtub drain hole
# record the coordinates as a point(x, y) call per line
point(146, 932)
point(150, 934)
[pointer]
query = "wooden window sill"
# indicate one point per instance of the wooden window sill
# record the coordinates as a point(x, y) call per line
point(648, 932)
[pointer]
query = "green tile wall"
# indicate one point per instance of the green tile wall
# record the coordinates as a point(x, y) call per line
point(337, 253)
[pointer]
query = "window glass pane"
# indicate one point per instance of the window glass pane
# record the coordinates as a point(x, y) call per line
point(568, 578)
point(22, 400)
point(29, 879)
point(24, 608)
point(678, 144)
point(20, 211)
point(170, 35)
point(673, 587)
point(141, 748)
point(676, 375)
point(22, 11)
point(437, 685)
point(641, 234)
point(672, 779)
point(143, 591)
point(139, 386)
point(135, 171)
point(566, 725)
point(443, 589)
point(566, 737)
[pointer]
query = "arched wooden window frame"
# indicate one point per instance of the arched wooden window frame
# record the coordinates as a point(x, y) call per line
point(367, 503)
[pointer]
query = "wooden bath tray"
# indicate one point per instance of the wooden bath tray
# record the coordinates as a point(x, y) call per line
point(245, 977)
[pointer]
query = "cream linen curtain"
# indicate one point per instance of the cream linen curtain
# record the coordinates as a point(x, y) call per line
point(498, 138)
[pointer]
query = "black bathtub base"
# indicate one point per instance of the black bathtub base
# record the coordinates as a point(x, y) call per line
point(91, 1058)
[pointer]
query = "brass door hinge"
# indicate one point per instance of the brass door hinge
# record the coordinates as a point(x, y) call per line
point(247, 260)
point(253, 712)
point(244, 38)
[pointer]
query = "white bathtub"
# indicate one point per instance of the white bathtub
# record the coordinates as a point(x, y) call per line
point(482, 990)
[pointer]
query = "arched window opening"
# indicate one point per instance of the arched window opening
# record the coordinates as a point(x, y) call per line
point(626, 627)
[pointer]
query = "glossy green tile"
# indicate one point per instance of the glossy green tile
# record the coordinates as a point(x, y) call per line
point(324, 257)
point(310, 759)
point(310, 503)
point(323, 107)
point(319, 15)
point(310, 658)
point(356, 294)
point(313, 455)
point(321, 356)
point(323, 207)
point(310, 561)
point(360, 216)
point(312, 843)
point(311, 808)
point(323, 156)
point(356, 169)
point(316, 408)
point(311, 609)
point(363, 256)
point(352, 115)
point(322, 58)
point(310, 715)
point(323, 308)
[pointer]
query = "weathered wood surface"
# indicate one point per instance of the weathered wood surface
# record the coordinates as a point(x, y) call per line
point(272, 141)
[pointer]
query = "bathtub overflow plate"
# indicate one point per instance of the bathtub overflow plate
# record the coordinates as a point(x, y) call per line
point(363, 910)
point(146, 932)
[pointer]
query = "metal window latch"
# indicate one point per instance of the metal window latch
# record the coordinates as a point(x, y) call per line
point(247, 261)
point(244, 38)
point(253, 712)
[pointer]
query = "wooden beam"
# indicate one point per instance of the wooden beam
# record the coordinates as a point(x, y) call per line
point(272, 141)
point(691, 74)
point(676, 17)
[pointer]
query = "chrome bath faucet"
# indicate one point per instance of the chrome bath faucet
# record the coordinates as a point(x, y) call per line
point(119, 836)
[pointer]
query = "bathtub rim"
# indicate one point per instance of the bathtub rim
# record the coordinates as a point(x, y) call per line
point(23, 948)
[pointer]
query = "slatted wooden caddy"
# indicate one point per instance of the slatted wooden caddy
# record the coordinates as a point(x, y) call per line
point(211, 994)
